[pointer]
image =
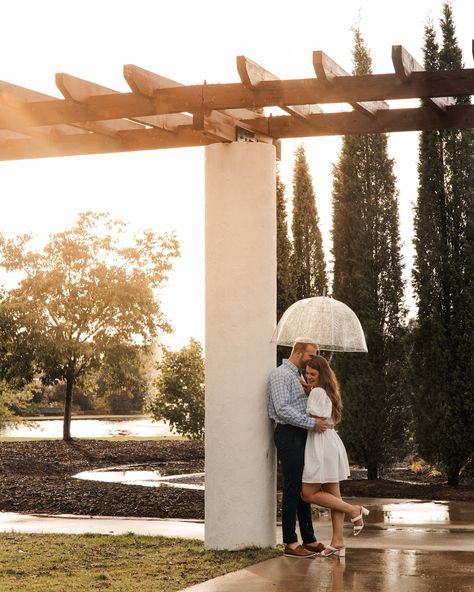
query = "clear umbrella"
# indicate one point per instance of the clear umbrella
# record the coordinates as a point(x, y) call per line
point(328, 322)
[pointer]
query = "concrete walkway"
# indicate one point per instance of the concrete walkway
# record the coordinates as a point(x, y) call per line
point(407, 545)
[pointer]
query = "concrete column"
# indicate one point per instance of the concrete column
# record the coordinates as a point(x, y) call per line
point(240, 319)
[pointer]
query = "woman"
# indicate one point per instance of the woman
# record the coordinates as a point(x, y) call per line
point(325, 456)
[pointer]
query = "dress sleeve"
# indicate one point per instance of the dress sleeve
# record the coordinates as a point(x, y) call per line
point(319, 403)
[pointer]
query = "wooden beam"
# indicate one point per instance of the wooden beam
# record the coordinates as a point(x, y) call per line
point(405, 64)
point(344, 89)
point(326, 69)
point(280, 127)
point(14, 97)
point(218, 125)
point(81, 91)
point(125, 141)
point(148, 84)
point(219, 128)
point(252, 74)
point(353, 122)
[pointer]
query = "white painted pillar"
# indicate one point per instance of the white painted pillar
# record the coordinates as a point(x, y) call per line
point(240, 320)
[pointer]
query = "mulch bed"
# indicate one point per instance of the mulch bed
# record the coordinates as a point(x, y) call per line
point(37, 477)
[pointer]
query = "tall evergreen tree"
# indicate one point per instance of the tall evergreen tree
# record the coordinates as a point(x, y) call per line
point(308, 266)
point(368, 278)
point(443, 280)
point(285, 296)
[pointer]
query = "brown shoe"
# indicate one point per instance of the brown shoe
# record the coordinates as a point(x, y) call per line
point(298, 551)
point(316, 547)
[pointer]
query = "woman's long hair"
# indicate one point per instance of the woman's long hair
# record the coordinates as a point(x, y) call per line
point(328, 381)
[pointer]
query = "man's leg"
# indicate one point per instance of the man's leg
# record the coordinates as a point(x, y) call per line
point(290, 442)
point(284, 442)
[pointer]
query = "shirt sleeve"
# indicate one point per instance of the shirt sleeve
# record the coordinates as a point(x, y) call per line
point(319, 403)
point(281, 399)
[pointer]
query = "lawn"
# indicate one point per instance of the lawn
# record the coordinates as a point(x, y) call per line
point(128, 563)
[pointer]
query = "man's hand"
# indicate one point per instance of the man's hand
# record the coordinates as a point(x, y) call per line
point(320, 425)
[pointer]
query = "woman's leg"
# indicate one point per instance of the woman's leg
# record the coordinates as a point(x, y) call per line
point(337, 517)
point(314, 494)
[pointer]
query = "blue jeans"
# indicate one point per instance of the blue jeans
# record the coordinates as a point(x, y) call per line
point(290, 443)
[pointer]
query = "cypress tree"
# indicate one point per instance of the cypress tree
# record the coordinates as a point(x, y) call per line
point(443, 271)
point(368, 278)
point(308, 266)
point(285, 295)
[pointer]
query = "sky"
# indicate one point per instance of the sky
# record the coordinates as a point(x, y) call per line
point(191, 41)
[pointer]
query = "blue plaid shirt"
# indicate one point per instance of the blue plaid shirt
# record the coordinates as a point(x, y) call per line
point(286, 397)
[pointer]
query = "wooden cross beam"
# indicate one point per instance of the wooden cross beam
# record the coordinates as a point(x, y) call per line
point(13, 98)
point(252, 74)
point(219, 125)
point(405, 64)
point(327, 69)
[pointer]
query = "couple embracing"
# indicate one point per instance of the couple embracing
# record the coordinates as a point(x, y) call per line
point(305, 403)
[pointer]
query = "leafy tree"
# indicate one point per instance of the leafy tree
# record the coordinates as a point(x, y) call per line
point(443, 280)
point(10, 400)
point(367, 277)
point(123, 382)
point(307, 262)
point(285, 296)
point(86, 294)
point(180, 390)
point(16, 362)
point(16, 351)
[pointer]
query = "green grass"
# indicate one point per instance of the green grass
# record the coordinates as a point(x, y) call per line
point(128, 563)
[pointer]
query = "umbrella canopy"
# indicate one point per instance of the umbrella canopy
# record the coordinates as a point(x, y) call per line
point(329, 323)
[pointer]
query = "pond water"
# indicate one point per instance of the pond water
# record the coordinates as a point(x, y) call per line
point(147, 478)
point(85, 427)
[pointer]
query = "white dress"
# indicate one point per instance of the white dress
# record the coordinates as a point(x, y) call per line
point(325, 459)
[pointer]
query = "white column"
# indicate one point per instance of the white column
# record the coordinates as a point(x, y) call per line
point(240, 320)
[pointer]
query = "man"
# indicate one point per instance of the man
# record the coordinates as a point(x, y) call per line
point(287, 408)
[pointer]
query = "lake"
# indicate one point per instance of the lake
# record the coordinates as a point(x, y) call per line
point(85, 427)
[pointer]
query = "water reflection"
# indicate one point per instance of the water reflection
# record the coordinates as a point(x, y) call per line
point(148, 478)
point(413, 513)
point(399, 514)
point(90, 428)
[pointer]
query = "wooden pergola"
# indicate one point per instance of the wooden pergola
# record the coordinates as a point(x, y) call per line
point(242, 144)
point(161, 113)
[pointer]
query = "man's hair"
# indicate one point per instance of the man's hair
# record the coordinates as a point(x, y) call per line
point(301, 344)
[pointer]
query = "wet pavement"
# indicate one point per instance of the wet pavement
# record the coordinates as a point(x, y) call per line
point(408, 545)
point(374, 570)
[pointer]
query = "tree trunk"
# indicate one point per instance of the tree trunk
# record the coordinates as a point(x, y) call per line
point(372, 470)
point(68, 405)
point(453, 474)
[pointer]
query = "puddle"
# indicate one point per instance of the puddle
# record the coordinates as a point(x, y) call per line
point(404, 513)
point(130, 475)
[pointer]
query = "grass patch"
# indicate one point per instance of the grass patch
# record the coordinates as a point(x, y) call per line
point(128, 563)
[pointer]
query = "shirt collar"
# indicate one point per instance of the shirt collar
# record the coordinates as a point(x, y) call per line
point(291, 366)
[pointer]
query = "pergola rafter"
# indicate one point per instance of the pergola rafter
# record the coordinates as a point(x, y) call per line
point(162, 113)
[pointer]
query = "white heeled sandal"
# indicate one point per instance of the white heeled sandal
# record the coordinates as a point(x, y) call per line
point(363, 512)
point(337, 551)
